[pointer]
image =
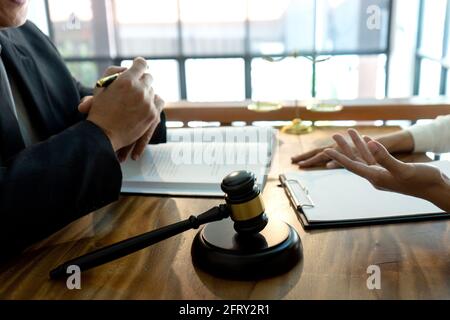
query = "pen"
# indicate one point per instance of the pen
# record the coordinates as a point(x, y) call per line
point(106, 81)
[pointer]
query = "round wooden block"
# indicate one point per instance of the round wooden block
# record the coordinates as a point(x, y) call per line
point(219, 250)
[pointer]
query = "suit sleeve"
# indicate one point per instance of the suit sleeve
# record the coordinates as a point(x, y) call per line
point(51, 184)
point(84, 91)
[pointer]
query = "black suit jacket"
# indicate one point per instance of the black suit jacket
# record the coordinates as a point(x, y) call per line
point(74, 170)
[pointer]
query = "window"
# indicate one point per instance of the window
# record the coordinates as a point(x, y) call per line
point(433, 49)
point(165, 77)
point(215, 80)
point(218, 50)
point(85, 72)
point(73, 29)
point(343, 26)
point(37, 14)
point(213, 27)
point(430, 78)
point(286, 79)
point(433, 23)
point(351, 77)
point(150, 31)
point(281, 27)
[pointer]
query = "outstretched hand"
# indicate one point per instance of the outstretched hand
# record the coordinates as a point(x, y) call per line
point(373, 162)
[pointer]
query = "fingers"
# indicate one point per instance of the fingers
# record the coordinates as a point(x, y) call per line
point(84, 99)
point(367, 139)
point(113, 70)
point(361, 146)
point(137, 70)
point(136, 77)
point(306, 155)
point(109, 72)
point(142, 143)
point(344, 147)
point(354, 166)
point(147, 80)
point(85, 104)
point(333, 165)
point(159, 103)
point(123, 153)
point(385, 159)
point(318, 159)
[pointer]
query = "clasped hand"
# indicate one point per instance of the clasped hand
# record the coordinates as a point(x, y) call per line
point(128, 110)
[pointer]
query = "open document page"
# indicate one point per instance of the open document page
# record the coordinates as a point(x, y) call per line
point(195, 161)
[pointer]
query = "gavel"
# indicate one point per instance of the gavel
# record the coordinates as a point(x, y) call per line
point(243, 205)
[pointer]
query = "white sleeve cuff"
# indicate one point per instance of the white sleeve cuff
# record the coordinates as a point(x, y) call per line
point(434, 137)
point(423, 137)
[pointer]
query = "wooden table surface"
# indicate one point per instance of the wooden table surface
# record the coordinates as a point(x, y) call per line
point(414, 257)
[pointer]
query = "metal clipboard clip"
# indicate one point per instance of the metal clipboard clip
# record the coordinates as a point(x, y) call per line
point(297, 193)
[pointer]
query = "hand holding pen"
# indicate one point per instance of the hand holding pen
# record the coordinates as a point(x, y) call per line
point(138, 82)
point(106, 81)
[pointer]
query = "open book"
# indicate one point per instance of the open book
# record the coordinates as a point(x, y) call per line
point(195, 161)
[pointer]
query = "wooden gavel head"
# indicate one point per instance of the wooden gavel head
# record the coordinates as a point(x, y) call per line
point(244, 200)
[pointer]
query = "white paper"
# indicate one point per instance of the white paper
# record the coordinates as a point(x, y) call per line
point(340, 195)
point(198, 162)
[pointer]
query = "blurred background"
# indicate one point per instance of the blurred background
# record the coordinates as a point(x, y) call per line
point(235, 50)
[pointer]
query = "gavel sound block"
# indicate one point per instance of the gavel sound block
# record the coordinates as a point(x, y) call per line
point(249, 246)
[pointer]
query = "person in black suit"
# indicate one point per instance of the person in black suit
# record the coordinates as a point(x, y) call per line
point(57, 163)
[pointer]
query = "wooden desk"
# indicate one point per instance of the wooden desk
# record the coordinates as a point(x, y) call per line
point(414, 258)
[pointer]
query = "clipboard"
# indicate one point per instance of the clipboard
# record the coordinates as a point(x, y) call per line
point(302, 200)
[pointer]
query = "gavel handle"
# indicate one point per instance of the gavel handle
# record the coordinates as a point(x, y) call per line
point(128, 246)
